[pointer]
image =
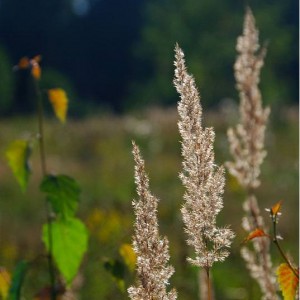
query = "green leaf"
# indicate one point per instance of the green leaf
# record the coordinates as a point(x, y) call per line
point(63, 194)
point(17, 281)
point(17, 155)
point(117, 269)
point(69, 243)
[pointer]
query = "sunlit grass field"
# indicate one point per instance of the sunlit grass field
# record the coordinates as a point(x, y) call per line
point(96, 151)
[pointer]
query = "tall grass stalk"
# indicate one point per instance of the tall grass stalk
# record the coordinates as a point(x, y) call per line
point(248, 150)
point(152, 252)
point(203, 180)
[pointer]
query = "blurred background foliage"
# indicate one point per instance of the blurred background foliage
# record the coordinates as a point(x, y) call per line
point(96, 151)
point(118, 54)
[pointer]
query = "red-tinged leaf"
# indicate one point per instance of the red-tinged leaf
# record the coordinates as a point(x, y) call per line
point(276, 208)
point(288, 281)
point(59, 101)
point(17, 155)
point(5, 280)
point(258, 232)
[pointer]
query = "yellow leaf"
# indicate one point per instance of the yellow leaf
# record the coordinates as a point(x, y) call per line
point(258, 232)
point(128, 255)
point(5, 280)
point(17, 155)
point(59, 101)
point(288, 281)
point(276, 208)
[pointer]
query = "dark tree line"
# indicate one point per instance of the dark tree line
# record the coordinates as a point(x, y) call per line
point(118, 54)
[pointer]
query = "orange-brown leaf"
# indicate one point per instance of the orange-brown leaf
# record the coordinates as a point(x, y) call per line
point(276, 208)
point(59, 101)
point(258, 232)
point(36, 71)
point(288, 281)
point(35, 67)
point(23, 63)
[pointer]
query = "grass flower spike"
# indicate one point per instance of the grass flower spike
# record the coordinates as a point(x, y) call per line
point(152, 251)
point(247, 148)
point(203, 180)
point(247, 140)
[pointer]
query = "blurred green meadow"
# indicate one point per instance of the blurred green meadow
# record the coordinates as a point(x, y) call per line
point(96, 151)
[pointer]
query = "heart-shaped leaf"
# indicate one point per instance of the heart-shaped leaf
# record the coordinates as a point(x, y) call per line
point(69, 243)
point(63, 194)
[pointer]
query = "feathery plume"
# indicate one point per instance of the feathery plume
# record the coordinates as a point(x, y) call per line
point(204, 182)
point(247, 140)
point(152, 251)
point(247, 148)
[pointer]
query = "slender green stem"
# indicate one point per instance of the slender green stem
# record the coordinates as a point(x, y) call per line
point(44, 173)
point(41, 131)
point(276, 242)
